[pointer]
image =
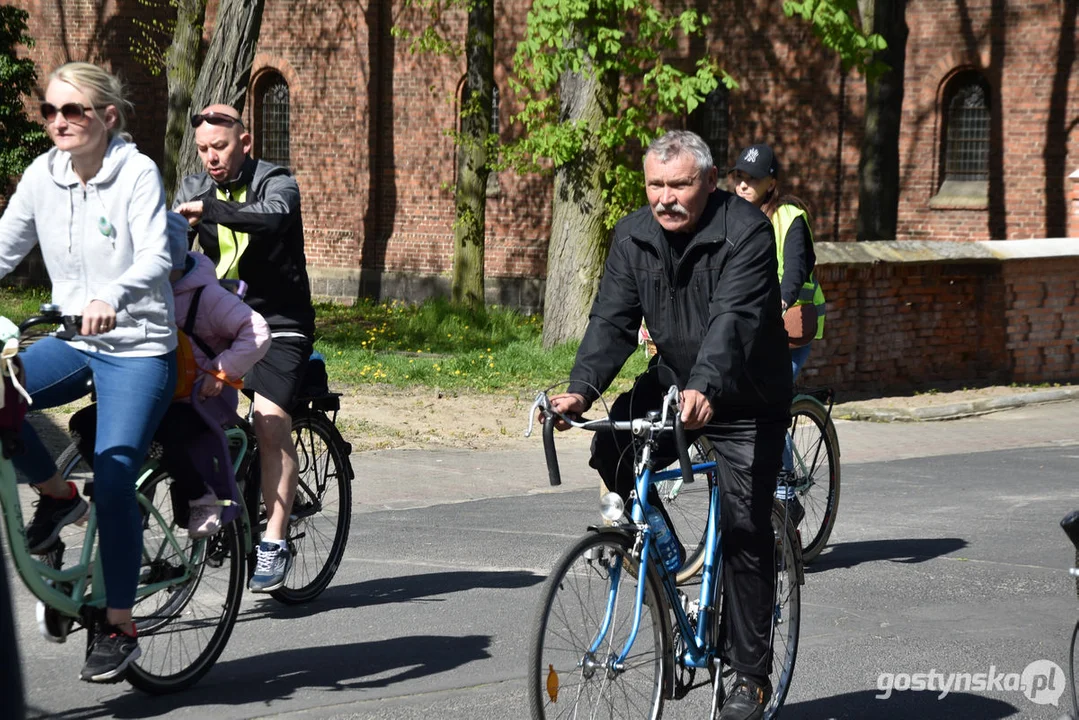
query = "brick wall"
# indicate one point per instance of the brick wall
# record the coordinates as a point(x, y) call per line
point(935, 314)
point(369, 148)
point(102, 33)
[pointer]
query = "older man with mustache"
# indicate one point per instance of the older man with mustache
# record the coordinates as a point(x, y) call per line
point(699, 266)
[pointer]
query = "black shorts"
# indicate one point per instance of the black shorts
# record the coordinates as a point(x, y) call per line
point(279, 374)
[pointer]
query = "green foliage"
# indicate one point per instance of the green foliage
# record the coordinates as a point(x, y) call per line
point(834, 24)
point(21, 139)
point(630, 41)
point(148, 47)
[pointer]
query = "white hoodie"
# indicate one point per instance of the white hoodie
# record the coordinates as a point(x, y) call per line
point(103, 241)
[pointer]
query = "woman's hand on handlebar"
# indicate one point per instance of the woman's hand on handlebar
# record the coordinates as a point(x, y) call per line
point(571, 404)
point(97, 318)
point(696, 410)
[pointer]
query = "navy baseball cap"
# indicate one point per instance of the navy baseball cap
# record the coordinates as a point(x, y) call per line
point(757, 161)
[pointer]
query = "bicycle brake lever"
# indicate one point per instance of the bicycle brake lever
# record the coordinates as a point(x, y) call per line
point(540, 403)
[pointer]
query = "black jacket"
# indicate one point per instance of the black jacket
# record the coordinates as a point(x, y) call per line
point(273, 265)
point(714, 316)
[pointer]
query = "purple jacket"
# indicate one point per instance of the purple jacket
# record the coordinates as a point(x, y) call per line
point(224, 322)
point(241, 338)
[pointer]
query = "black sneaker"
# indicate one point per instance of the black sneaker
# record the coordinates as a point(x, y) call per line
point(51, 515)
point(111, 651)
point(747, 699)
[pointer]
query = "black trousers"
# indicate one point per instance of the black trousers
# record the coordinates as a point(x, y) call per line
point(751, 453)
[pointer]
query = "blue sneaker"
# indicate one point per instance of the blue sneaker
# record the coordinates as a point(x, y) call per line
point(271, 568)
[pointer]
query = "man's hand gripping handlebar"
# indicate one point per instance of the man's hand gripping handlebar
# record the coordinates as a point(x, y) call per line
point(563, 412)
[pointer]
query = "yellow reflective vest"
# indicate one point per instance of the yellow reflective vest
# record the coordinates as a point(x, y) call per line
point(811, 291)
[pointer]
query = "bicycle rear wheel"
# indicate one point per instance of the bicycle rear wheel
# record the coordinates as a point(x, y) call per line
point(787, 608)
point(184, 628)
point(321, 511)
point(815, 475)
point(590, 588)
point(786, 613)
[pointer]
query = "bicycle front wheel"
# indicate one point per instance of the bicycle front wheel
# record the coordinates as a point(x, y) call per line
point(583, 623)
point(183, 628)
point(815, 473)
point(321, 511)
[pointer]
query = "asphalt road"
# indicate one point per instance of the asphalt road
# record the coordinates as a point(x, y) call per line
point(946, 560)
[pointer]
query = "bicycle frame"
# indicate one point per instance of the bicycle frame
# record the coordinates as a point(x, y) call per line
point(47, 582)
point(699, 653)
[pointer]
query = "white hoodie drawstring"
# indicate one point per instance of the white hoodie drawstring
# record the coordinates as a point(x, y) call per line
point(7, 355)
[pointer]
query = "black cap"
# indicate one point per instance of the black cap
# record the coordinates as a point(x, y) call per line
point(757, 161)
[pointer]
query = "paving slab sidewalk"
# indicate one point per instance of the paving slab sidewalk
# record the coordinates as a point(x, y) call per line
point(398, 479)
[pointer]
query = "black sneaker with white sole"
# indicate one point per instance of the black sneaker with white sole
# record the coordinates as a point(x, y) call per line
point(51, 515)
point(111, 651)
point(747, 699)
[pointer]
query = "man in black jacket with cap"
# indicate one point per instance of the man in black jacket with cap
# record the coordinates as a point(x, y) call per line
point(699, 266)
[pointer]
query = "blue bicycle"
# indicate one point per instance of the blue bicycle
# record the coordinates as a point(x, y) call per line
point(604, 643)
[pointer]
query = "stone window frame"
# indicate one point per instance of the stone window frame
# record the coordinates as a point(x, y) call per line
point(712, 121)
point(279, 115)
point(963, 122)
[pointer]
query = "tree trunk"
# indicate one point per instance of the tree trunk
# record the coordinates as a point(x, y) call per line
point(181, 69)
point(472, 169)
point(579, 240)
point(878, 169)
point(226, 70)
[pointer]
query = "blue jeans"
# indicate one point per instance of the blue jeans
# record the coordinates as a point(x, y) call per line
point(798, 359)
point(132, 396)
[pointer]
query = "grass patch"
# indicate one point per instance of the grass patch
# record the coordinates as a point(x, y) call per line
point(434, 344)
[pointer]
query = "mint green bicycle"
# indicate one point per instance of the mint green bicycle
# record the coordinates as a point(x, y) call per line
point(189, 590)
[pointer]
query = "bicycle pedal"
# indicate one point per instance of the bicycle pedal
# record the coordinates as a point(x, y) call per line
point(53, 626)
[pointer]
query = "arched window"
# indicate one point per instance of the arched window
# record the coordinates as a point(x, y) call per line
point(964, 143)
point(711, 120)
point(271, 116)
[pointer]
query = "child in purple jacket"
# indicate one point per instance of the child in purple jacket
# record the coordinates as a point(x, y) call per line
point(227, 339)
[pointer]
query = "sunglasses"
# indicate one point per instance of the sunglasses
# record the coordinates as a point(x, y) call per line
point(215, 118)
point(72, 112)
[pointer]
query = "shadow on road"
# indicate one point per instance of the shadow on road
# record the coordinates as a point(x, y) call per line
point(847, 555)
point(425, 587)
point(901, 706)
point(277, 675)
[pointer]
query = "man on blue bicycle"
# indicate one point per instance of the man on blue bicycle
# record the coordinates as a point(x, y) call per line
point(699, 266)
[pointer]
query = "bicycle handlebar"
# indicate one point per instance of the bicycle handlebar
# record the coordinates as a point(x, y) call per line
point(637, 426)
point(51, 315)
point(553, 473)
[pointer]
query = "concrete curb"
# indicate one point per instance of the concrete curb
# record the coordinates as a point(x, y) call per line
point(870, 412)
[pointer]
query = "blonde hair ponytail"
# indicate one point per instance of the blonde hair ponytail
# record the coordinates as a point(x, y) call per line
point(101, 87)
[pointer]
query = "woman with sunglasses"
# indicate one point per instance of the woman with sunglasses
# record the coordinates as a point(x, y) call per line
point(96, 208)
